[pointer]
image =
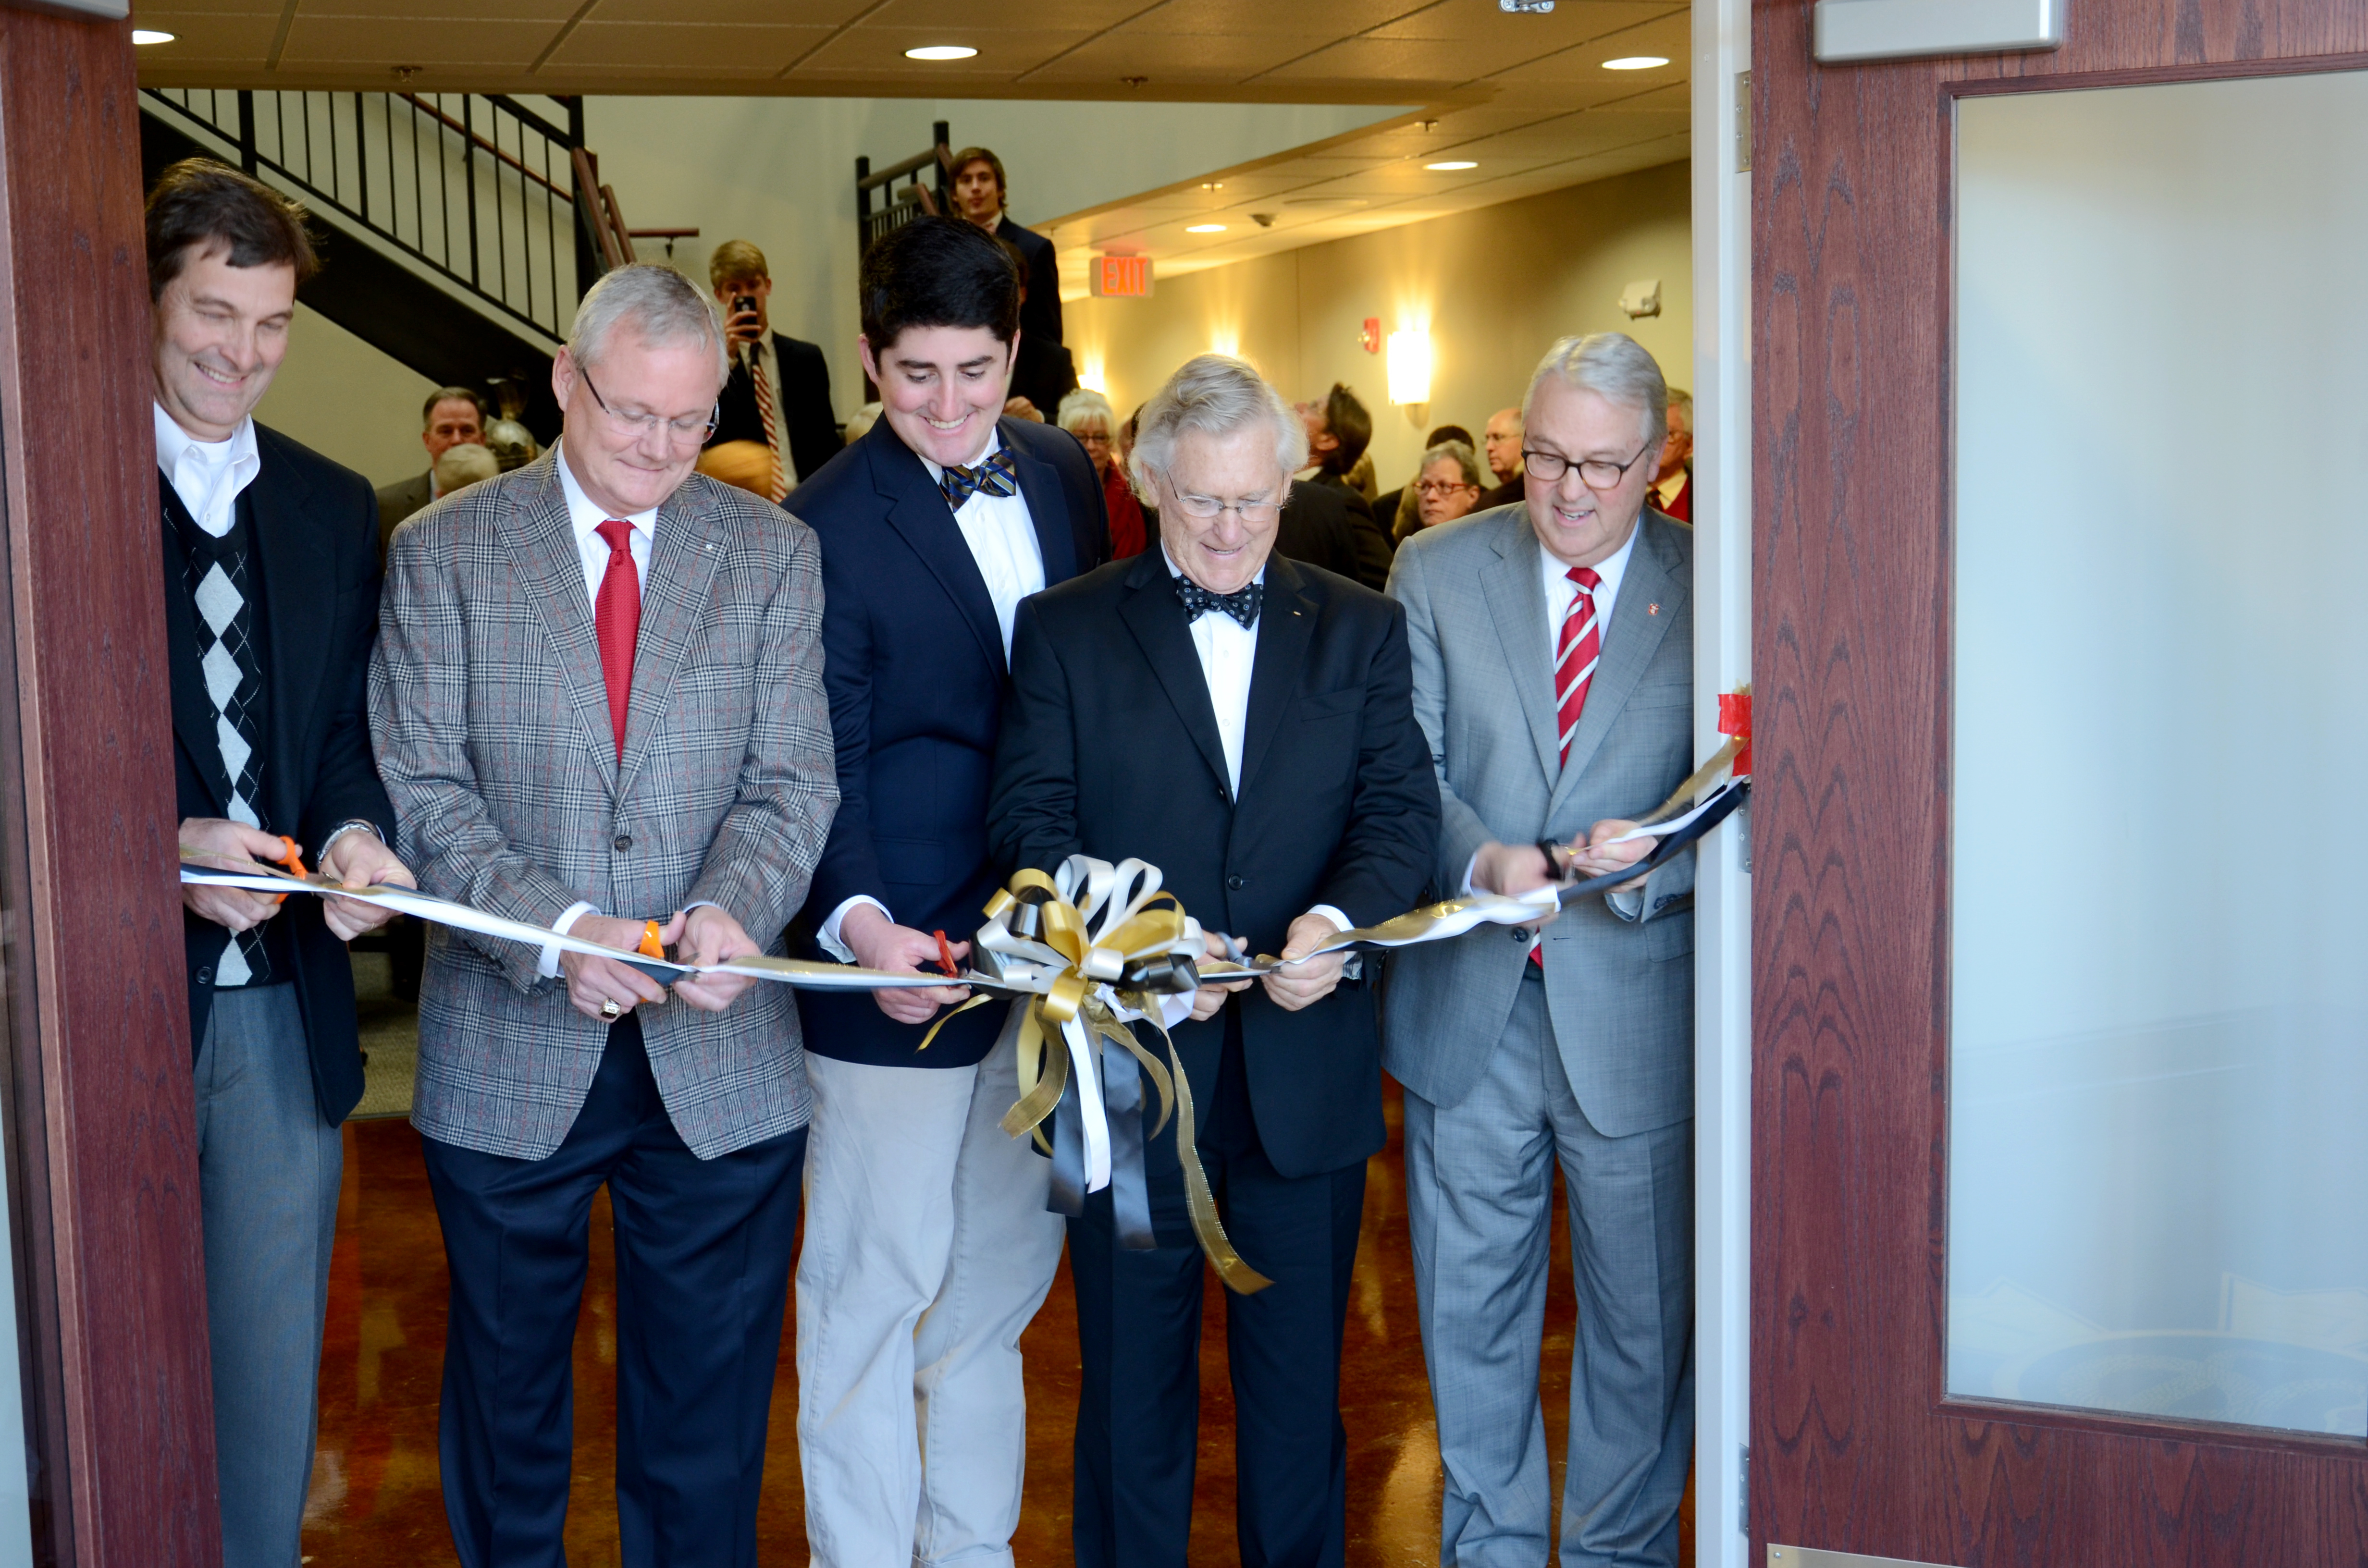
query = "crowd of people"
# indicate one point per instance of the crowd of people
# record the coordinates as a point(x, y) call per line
point(824, 696)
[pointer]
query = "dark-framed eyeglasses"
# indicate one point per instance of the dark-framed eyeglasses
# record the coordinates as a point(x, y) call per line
point(1596, 474)
point(1442, 486)
point(644, 423)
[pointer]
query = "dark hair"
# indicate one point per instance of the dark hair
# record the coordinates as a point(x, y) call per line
point(937, 272)
point(1447, 433)
point(199, 205)
point(970, 155)
point(449, 394)
point(1349, 424)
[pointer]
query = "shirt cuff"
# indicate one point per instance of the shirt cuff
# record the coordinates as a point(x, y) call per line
point(1629, 907)
point(1340, 922)
point(828, 936)
point(1469, 867)
point(548, 967)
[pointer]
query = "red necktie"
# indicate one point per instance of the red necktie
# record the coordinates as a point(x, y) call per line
point(617, 621)
point(777, 489)
point(1576, 653)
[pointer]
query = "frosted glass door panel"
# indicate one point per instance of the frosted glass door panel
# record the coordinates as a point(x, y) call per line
point(2159, 1097)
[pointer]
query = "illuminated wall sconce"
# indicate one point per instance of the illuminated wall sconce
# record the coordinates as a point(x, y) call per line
point(1409, 364)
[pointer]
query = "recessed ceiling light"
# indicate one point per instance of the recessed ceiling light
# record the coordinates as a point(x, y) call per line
point(941, 51)
point(149, 35)
point(1636, 62)
point(1205, 228)
point(1454, 164)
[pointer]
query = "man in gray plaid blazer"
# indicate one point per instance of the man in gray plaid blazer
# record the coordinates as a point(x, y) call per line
point(597, 706)
point(1554, 677)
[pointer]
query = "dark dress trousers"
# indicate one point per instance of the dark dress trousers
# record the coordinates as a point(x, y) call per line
point(804, 405)
point(314, 527)
point(1110, 747)
point(1039, 314)
point(913, 664)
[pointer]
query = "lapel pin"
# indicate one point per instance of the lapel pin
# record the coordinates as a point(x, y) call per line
point(1651, 609)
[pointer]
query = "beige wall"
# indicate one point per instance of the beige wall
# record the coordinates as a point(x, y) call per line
point(1495, 285)
point(347, 401)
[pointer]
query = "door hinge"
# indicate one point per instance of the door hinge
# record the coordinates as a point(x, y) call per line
point(1743, 122)
point(1743, 1489)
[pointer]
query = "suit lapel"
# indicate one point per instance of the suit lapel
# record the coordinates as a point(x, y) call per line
point(193, 714)
point(549, 567)
point(299, 571)
point(1286, 626)
point(1040, 486)
point(1628, 644)
point(918, 512)
point(674, 594)
point(1152, 614)
point(1514, 585)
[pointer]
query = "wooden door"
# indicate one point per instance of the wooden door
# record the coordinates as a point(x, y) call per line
point(1858, 1446)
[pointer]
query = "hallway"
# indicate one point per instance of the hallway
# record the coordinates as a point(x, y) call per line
point(375, 1500)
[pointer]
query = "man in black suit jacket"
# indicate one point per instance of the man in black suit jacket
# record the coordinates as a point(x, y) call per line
point(980, 195)
point(928, 1246)
point(270, 559)
point(804, 434)
point(1247, 726)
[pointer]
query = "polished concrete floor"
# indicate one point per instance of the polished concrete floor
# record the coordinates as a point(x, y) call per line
point(374, 1494)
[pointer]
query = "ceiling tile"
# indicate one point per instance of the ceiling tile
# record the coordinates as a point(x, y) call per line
point(1402, 60)
point(1527, 33)
point(1116, 56)
point(185, 10)
point(1671, 37)
point(880, 52)
point(400, 12)
point(723, 47)
point(1262, 18)
point(202, 37)
point(382, 44)
point(954, 18)
point(807, 12)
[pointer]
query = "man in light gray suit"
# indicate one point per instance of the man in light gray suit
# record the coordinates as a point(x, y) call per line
point(1553, 647)
point(597, 706)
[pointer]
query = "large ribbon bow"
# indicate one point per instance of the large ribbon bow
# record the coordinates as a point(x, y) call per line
point(1101, 945)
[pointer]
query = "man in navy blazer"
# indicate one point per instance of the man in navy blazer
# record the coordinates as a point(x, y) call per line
point(927, 1246)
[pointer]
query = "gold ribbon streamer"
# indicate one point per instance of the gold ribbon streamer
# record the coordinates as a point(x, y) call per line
point(1083, 989)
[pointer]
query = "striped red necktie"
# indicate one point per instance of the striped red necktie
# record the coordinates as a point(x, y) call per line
point(1576, 653)
point(776, 487)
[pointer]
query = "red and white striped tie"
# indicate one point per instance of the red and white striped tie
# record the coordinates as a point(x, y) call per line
point(1576, 653)
point(776, 488)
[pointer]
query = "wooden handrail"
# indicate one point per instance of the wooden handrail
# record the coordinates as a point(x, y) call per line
point(419, 103)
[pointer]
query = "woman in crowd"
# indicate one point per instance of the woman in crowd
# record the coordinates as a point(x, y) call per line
point(1445, 488)
point(1086, 415)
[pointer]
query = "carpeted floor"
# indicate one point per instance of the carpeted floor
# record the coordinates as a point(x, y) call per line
point(390, 1040)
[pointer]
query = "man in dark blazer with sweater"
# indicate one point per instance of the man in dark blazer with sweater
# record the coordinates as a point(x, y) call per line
point(271, 583)
point(1245, 725)
point(771, 373)
point(928, 1244)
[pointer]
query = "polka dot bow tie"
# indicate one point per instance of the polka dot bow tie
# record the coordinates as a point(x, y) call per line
point(996, 476)
point(1242, 603)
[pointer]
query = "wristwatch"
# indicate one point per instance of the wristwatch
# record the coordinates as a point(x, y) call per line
point(353, 824)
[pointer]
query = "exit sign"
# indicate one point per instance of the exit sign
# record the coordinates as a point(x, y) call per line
point(1122, 277)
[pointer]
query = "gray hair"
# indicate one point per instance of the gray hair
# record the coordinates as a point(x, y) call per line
point(1615, 368)
point(1216, 394)
point(662, 306)
point(1083, 404)
point(1682, 403)
point(1464, 456)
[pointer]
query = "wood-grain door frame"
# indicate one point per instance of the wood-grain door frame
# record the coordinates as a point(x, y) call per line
point(1857, 1445)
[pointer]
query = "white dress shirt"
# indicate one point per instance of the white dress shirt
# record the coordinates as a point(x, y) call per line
point(207, 475)
point(1002, 539)
point(1228, 653)
point(762, 358)
point(585, 516)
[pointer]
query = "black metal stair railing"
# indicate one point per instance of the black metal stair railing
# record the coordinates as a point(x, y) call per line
point(475, 187)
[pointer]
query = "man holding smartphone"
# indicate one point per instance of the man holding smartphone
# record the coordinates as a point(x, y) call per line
point(779, 394)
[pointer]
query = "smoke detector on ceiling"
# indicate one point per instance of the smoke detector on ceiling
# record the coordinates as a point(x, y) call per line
point(1528, 7)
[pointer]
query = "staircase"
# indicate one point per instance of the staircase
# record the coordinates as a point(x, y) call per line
point(462, 228)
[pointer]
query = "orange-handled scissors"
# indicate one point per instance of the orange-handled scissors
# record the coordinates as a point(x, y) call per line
point(651, 946)
point(293, 860)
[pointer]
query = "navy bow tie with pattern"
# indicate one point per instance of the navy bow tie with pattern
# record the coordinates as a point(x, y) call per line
point(996, 476)
point(1242, 603)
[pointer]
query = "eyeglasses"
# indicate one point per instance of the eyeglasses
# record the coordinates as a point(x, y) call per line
point(1596, 474)
point(1441, 487)
point(644, 423)
point(1206, 508)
